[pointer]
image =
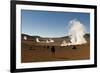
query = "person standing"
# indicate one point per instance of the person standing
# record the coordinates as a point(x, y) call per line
point(53, 50)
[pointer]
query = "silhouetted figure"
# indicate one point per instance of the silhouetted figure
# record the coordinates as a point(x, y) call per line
point(74, 47)
point(53, 50)
point(30, 48)
point(47, 46)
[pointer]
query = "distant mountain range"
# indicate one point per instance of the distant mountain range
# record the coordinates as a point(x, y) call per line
point(29, 37)
point(34, 37)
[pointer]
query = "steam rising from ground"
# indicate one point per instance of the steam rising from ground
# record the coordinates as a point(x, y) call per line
point(76, 32)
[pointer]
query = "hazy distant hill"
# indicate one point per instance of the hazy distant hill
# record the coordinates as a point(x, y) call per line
point(29, 37)
point(58, 39)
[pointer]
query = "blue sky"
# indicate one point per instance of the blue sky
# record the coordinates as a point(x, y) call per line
point(50, 23)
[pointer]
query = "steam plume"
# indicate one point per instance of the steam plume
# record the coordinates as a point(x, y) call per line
point(77, 31)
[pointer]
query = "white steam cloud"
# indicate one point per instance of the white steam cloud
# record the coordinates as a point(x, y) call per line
point(76, 32)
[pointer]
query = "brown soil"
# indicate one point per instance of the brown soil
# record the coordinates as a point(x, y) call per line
point(35, 52)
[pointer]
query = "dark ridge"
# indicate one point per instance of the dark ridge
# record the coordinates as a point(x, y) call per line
point(34, 37)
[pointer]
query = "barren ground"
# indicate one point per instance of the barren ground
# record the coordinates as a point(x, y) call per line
point(37, 52)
